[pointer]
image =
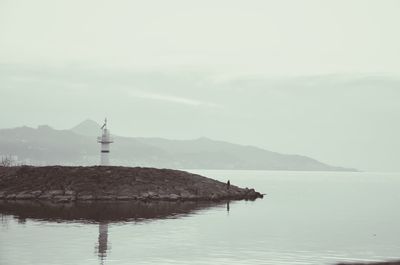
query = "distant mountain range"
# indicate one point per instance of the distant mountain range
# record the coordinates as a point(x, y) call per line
point(77, 146)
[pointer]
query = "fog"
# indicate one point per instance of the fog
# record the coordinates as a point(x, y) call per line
point(317, 78)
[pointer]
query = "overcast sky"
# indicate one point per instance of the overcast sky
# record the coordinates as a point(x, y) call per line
point(318, 78)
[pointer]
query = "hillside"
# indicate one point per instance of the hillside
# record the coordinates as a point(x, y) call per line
point(47, 146)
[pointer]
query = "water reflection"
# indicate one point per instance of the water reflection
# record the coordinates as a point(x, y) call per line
point(102, 245)
point(101, 212)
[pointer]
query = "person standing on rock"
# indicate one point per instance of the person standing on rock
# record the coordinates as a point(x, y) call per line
point(228, 185)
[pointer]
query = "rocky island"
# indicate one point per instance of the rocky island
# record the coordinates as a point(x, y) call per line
point(73, 183)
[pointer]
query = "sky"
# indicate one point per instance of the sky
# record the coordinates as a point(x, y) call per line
point(313, 77)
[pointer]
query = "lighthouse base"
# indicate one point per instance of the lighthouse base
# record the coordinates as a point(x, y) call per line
point(104, 159)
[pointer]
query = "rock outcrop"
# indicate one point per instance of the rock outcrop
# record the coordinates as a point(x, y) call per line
point(64, 184)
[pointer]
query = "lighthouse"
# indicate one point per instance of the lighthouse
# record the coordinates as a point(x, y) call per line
point(105, 141)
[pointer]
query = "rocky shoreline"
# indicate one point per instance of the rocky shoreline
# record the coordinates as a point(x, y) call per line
point(66, 184)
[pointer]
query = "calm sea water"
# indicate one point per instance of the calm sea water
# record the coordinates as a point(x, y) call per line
point(306, 218)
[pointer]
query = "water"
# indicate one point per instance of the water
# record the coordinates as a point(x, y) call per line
point(306, 218)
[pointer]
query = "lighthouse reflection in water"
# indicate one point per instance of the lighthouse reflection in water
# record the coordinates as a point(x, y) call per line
point(102, 245)
point(104, 214)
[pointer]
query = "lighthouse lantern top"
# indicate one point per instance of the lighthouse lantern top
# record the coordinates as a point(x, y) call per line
point(105, 138)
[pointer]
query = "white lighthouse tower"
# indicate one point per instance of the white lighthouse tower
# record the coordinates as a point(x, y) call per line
point(105, 141)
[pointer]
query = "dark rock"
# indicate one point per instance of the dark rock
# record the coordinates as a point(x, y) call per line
point(63, 198)
point(86, 197)
point(124, 198)
point(24, 196)
point(11, 196)
point(173, 197)
point(70, 192)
